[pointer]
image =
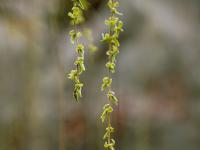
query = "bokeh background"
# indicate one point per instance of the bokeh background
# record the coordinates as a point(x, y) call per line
point(157, 78)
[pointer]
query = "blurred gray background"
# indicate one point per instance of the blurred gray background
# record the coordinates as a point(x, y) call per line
point(157, 78)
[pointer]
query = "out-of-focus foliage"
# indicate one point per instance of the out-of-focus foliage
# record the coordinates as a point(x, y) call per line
point(157, 77)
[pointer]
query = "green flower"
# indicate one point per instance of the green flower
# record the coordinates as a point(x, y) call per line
point(80, 49)
point(112, 21)
point(106, 83)
point(74, 35)
point(110, 145)
point(113, 5)
point(110, 66)
point(112, 97)
point(76, 15)
point(78, 91)
point(107, 109)
point(106, 37)
point(109, 130)
point(73, 75)
point(80, 64)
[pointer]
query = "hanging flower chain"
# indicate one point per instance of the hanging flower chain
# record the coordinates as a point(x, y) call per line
point(112, 39)
point(76, 16)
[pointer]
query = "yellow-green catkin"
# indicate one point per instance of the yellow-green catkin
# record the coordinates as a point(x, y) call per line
point(76, 16)
point(115, 26)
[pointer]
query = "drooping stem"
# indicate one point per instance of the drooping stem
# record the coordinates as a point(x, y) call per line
point(77, 18)
point(110, 87)
point(115, 27)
